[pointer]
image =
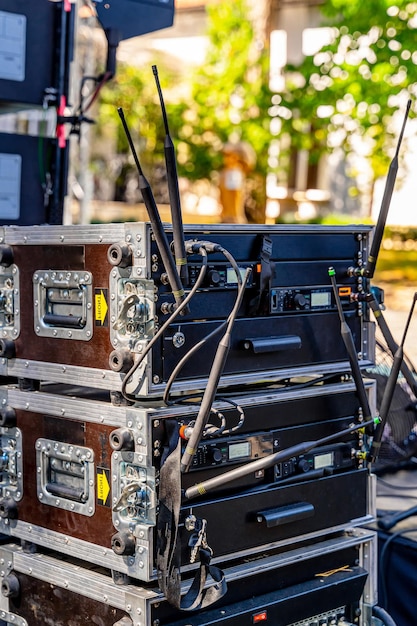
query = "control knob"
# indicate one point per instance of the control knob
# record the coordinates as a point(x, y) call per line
point(214, 278)
point(216, 455)
point(303, 466)
point(300, 301)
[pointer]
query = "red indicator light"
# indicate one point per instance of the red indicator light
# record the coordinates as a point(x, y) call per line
point(260, 617)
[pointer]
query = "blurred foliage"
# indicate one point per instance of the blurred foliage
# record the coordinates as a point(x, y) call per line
point(228, 100)
point(133, 90)
point(397, 260)
point(230, 96)
point(397, 266)
point(349, 94)
point(333, 219)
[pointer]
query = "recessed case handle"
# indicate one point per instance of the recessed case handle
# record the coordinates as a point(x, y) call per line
point(66, 321)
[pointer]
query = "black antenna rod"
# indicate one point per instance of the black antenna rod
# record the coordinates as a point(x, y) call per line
point(155, 219)
point(389, 390)
point(351, 350)
point(173, 190)
point(369, 269)
point(220, 480)
point(391, 343)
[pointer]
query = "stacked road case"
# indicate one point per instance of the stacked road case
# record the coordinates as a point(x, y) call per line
point(105, 381)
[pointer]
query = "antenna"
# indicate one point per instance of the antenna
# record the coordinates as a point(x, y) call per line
point(369, 269)
point(391, 343)
point(155, 219)
point(389, 390)
point(173, 190)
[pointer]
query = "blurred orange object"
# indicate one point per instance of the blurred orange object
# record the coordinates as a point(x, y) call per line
point(238, 160)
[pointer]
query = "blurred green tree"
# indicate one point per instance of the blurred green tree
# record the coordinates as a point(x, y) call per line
point(134, 90)
point(353, 91)
point(350, 95)
point(229, 100)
